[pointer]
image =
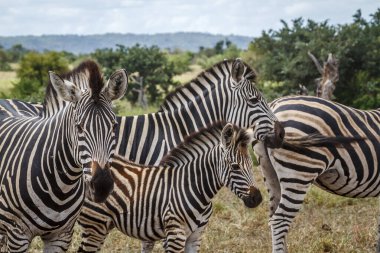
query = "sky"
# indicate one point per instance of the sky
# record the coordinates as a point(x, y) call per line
point(238, 17)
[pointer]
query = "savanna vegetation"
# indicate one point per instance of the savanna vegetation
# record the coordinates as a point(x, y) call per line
point(327, 223)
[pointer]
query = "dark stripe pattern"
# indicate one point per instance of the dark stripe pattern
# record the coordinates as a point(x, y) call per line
point(224, 92)
point(350, 170)
point(43, 152)
point(173, 201)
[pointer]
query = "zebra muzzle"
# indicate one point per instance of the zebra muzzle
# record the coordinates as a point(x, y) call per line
point(101, 183)
point(253, 197)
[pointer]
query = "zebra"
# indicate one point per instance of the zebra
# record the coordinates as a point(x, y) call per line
point(224, 92)
point(43, 156)
point(172, 201)
point(350, 169)
point(14, 107)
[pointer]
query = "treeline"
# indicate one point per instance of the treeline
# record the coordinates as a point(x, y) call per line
point(151, 69)
point(280, 57)
point(282, 61)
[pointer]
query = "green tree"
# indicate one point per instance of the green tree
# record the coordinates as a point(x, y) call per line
point(33, 74)
point(181, 61)
point(16, 52)
point(153, 66)
point(4, 61)
point(149, 62)
point(281, 57)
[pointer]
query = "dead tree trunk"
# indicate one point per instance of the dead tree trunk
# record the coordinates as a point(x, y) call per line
point(329, 76)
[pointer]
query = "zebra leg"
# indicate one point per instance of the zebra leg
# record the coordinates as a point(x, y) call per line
point(193, 242)
point(270, 176)
point(95, 227)
point(58, 243)
point(3, 243)
point(17, 243)
point(292, 197)
point(378, 236)
point(147, 246)
point(175, 240)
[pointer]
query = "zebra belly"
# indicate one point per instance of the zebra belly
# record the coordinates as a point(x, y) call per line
point(336, 180)
point(145, 229)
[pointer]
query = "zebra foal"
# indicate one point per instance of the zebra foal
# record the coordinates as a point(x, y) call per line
point(43, 157)
point(173, 201)
point(350, 169)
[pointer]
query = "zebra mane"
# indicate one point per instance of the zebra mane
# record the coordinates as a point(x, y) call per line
point(210, 133)
point(249, 72)
point(86, 75)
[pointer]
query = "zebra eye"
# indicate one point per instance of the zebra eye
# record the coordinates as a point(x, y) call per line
point(79, 128)
point(114, 126)
point(254, 100)
point(235, 166)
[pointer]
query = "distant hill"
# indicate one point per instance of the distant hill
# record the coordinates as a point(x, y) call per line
point(88, 43)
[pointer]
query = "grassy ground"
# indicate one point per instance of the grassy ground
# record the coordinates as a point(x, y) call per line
point(6, 80)
point(188, 76)
point(326, 223)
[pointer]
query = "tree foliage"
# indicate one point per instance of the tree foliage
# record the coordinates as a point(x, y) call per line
point(281, 56)
point(33, 74)
point(223, 49)
point(149, 62)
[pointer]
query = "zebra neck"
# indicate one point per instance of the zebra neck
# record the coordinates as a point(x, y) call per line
point(200, 103)
point(201, 175)
point(195, 112)
point(65, 153)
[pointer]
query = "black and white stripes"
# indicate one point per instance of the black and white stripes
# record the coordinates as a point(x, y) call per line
point(43, 156)
point(173, 201)
point(349, 169)
point(224, 92)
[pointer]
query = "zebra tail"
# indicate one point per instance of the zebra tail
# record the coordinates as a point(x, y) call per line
point(319, 140)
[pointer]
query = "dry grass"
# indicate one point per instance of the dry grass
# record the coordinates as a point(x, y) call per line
point(188, 76)
point(6, 80)
point(327, 223)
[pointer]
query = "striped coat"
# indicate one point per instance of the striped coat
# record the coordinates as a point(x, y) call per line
point(43, 156)
point(349, 169)
point(173, 201)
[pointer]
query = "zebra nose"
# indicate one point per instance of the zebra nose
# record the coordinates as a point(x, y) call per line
point(254, 197)
point(102, 182)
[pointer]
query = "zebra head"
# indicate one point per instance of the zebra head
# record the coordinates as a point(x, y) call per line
point(249, 108)
point(93, 124)
point(237, 164)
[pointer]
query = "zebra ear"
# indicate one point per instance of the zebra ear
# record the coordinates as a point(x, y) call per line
point(237, 70)
point(227, 133)
point(117, 84)
point(67, 90)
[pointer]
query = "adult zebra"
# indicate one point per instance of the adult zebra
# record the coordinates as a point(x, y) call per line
point(350, 169)
point(43, 157)
point(173, 201)
point(224, 92)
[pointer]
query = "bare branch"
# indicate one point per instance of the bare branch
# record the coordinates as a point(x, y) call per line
point(317, 64)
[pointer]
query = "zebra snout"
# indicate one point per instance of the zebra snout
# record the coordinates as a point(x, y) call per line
point(101, 183)
point(253, 198)
point(275, 139)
